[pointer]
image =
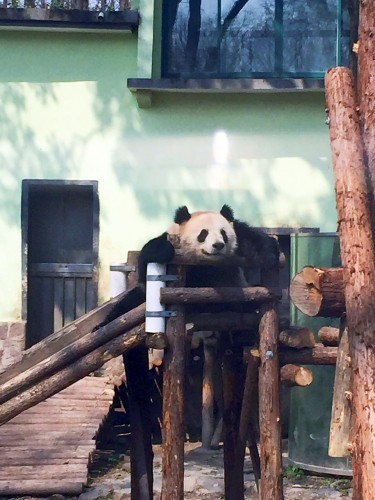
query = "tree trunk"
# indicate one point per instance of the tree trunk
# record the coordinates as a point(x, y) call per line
point(357, 253)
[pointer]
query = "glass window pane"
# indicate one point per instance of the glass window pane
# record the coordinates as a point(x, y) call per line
point(192, 36)
point(310, 30)
point(247, 36)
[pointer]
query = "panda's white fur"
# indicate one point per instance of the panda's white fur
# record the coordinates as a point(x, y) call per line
point(205, 234)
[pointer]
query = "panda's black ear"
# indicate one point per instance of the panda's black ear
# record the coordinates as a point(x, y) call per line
point(227, 212)
point(181, 215)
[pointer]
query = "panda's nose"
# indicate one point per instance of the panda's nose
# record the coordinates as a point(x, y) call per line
point(218, 245)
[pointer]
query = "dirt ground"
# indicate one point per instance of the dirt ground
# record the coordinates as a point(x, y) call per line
point(204, 478)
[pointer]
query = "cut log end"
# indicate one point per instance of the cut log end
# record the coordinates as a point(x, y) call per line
point(293, 375)
point(297, 337)
point(319, 291)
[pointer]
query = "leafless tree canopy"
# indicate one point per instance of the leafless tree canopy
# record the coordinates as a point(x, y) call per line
point(254, 36)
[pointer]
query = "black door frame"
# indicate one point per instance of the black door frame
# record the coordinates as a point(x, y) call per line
point(28, 185)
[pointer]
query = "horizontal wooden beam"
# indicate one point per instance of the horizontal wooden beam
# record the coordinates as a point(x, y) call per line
point(207, 295)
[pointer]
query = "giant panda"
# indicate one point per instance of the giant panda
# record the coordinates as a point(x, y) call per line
point(209, 235)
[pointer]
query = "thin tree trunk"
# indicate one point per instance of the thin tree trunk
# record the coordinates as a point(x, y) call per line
point(357, 253)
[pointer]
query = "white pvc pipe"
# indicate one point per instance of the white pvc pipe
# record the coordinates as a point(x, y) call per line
point(154, 324)
point(117, 281)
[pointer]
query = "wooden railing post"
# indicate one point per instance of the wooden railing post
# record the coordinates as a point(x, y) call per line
point(271, 483)
point(174, 400)
point(232, 397)
point(138, 384)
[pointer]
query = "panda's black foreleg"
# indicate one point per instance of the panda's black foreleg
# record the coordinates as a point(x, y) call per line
point(158, 249)
point(134, 297)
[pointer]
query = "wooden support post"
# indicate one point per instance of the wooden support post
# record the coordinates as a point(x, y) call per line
point(341, 403)
point(138, 384)
point(232, 395)
point(208, 393)
point(246, 431)
point(174, 400)
point(269, 400)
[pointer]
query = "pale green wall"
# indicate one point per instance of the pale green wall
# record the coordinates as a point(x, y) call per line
point(66, 113)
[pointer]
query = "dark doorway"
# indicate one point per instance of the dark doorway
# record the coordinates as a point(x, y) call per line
point(60, 253)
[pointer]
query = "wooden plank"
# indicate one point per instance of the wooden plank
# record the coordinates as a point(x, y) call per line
point(37, 461)
point(45, 471)
point(37, 487)
point(57, 440)
point(61, 453)
point(75, 417)
point(339, 436)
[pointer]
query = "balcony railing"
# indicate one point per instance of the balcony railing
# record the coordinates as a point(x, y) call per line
point(94, 14)
point(96, 5)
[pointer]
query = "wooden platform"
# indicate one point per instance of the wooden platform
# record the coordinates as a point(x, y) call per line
point(47, 448)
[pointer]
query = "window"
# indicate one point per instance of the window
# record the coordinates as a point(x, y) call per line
point(253, 38)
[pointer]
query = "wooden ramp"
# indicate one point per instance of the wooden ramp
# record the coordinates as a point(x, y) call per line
point(47, 448)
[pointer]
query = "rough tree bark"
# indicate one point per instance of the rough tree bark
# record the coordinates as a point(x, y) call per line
point(357, 253)
point(366, 86)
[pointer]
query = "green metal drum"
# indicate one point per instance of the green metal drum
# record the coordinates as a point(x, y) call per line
point(310, 407)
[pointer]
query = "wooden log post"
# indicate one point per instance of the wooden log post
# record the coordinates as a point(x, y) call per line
point(271, 483)
point(208, 392)
point(247, 432)
point(319, 291)
point(174, 400)
point(232, 396)
point(138, 384)
point(358, 258)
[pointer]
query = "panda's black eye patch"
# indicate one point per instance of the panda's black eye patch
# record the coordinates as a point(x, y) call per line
point(202, 235)
point(224, 235)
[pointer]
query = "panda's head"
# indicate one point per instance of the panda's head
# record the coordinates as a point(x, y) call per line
point(205, 234)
